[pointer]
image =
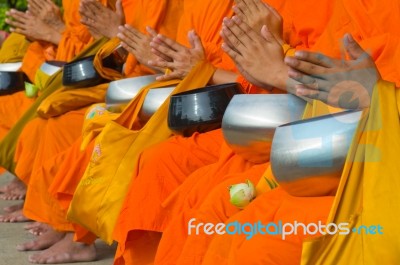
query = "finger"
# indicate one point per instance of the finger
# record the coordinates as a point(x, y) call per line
point(273, 11)
point(235, 56)
point(314, 58)
point(302, 78)
point(16, 15)
point(127, 47)
point(164, 50)
point(133, 32)
point(306, 67)
point(252, 6)
point(243, 10)
point(235, 35)
point(119, 9)
point(34, 6)
point(171, 43)
point(226, 40)
point(167, 77)
point(239, 12)
point(162, 64)
point(195, 41)
point(353, 49)
point(267, 34)
point(151, 31)
point(161, 56)
point(15, 24)
point(89, 23)
point(259, 5)
point(305, 91)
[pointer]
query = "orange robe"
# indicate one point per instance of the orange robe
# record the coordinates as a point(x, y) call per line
point(277, 205)
point(56, 155)
point(74, 39)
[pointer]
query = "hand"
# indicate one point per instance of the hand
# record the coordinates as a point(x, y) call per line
point(256, 14)
point(101, 20)
point(339, 83)
point(182, 59)
point(259, 58)
point(31, 27)
point(138, 43)
point(48, 12)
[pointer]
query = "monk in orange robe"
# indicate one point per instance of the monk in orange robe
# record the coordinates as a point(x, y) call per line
point(44, 30)
point(75, 38)
point(216, 208)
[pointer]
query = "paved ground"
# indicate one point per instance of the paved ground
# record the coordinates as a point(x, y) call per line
point(13, 234)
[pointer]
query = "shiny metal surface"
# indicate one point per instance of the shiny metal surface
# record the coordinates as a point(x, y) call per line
point(81, 73)
point(154, 99)
point(201, 109)
point(10, 67)
point(122, 91)
point(11, 82)
point(49, 68)
point(313, 147)
point(250, 121)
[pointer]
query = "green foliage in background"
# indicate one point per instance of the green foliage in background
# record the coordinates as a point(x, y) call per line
point(17, 4)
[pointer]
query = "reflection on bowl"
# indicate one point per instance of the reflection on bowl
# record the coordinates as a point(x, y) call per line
point(51, 67)
point(10, 67)
point(122, 91)
point(200, 110)
point(81, 73)
point(250, 121)
point(153, 100)
point(312, 148)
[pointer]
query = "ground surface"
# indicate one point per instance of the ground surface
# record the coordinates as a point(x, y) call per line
point(13, 234)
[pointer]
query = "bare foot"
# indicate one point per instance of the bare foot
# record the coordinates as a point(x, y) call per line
point(43, 241)
point(15, 190)
point(65, 251)
point(13, 208)
point(37, 228)
point(14, 217)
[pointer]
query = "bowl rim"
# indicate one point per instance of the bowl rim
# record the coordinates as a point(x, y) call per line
point(318, 118)
point(208, 89)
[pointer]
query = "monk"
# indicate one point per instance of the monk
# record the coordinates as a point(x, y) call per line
point(213, 210)
point(271, 206)
point(49, 212)
point(43, 27)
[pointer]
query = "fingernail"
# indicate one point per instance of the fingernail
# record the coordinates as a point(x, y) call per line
point(224, 47)
point(236, 19)
point(300, 54)
point(292, 73)
point(291, 61)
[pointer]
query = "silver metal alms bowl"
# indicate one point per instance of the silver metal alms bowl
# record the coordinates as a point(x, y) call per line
point(313, 148)
point(250, 121)
point(153, 100)
point(124, 90)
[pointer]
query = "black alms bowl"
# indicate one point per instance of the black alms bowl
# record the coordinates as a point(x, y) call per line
point(81, 73)
point(200, 110)
point(11, 82)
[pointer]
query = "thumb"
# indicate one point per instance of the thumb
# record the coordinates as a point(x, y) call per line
point(120, 10)
point(267, 34)
point(195, 41)
point(353, 49)
point(151, 31)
